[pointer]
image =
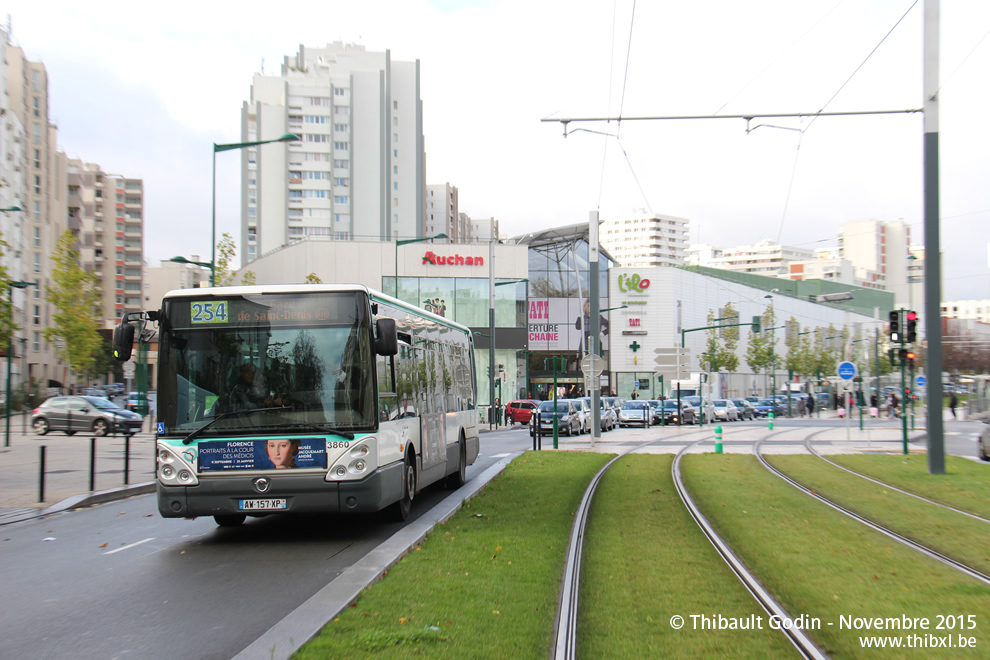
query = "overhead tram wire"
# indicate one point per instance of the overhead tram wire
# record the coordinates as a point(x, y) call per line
point(782, 53)
point(862, 64)
point(611, 68)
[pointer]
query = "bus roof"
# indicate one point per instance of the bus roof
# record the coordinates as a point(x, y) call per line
point(223, 291)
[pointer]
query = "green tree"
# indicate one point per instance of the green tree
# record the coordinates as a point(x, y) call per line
point(77, 299)
point(226, 251)
point(7, 325)
point(720, 351)
point(798, 359)
point(758, 350)
point(249, 278)
point(313, 278)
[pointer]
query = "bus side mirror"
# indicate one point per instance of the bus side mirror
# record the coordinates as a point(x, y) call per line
point(123, 341)
point(387, 341)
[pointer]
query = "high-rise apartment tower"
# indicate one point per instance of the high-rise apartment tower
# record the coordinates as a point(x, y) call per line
point(358, 172)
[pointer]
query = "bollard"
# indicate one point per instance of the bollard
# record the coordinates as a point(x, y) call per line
point(718, 439)
point(92, 464)
point(41, 474)
point(770, 420)
point(127, 456)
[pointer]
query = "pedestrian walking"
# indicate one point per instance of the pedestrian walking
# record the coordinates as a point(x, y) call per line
point(953, 402)
point(893, 405)
point(811, 404)
point(800, 406)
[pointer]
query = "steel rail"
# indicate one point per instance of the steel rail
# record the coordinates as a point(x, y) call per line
point(801, 641)
point(914, 545)
point(807, 444)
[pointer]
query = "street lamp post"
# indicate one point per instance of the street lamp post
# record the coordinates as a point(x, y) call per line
point(10, 347)
point(773, 357)
point(491, 325)
point(407, 241)
point(288, 137)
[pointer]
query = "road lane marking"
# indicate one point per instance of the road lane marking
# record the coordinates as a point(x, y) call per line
point(499, 455)
point(127, 547)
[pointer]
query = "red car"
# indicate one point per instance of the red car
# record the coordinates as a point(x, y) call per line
point(520, 411)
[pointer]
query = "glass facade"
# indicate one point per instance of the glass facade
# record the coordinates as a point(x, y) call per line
point(463, 299)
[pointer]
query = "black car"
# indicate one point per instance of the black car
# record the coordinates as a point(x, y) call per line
point(568, 418)
point(687, 415)
point(84, 414)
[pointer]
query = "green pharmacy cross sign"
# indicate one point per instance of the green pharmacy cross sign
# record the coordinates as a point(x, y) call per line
point(634, 346)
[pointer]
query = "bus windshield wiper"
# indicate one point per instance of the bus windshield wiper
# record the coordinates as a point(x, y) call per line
point(325, 429)
point(233, 413)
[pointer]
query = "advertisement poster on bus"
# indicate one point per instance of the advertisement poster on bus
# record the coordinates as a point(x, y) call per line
point(563, 324)
point(274, 453)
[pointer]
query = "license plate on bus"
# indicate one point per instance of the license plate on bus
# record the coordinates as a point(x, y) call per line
point(256, 505)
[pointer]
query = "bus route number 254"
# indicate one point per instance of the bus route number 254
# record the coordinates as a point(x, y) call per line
point(209, 311)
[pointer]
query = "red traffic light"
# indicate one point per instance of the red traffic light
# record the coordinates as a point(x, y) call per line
point(910, 355)
point(912, 316)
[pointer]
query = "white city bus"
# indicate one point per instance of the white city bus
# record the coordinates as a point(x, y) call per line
point(305, 399)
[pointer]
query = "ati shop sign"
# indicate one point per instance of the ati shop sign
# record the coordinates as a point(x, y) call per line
point(451, 260)
point(562, 324)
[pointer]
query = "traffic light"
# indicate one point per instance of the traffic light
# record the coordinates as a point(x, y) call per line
point(909, 356)
point(895, 325)
point(756, 324)
point(911, 331)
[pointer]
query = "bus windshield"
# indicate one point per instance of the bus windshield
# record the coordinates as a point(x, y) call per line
point(303, 360)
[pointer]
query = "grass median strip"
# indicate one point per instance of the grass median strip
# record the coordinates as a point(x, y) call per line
point(830, 568)
point(965, 484)
point(950, 533)
point(483, 585)
point(646, 561)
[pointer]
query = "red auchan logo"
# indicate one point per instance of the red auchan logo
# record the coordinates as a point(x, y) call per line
point(452, 260)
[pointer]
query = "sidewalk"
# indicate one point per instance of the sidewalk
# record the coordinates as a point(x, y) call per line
point(67, 471)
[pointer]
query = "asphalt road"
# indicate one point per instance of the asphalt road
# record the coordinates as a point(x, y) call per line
point(118, 581)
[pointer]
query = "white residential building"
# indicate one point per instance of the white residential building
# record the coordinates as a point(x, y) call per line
point(763, 258)
point(975, 310)
point(358, 172)
point(645, 240)
point(879, 253)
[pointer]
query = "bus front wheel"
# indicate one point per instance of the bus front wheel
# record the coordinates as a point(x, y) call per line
point(230, 520)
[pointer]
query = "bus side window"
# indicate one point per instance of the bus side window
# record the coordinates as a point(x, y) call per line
point(387, 400)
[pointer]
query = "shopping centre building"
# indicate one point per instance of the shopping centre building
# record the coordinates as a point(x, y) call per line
point(542, 284)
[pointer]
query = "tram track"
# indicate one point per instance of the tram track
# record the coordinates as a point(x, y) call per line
point(900, 538)
point(565, 622)
point(813, 451)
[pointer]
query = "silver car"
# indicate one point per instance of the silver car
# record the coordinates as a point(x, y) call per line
point(609, 416)
point(84, 414)
point(635, 413)
point(725, 410)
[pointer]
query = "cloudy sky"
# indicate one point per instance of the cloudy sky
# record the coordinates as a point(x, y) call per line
point(144, 89)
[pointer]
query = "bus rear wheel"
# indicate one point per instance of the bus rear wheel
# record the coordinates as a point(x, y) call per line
point(459, 478)
point(230, 519)
point(400, 510)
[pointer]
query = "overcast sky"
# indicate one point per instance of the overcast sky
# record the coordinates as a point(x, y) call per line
point(144, 90)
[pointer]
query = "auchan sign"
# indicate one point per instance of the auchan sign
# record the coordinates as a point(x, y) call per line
point(451, 260)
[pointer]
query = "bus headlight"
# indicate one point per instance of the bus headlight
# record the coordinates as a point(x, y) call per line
point(174, 469)
point(357, 462)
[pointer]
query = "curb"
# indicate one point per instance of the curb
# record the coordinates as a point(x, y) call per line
point(82, 501)
point(306, 621)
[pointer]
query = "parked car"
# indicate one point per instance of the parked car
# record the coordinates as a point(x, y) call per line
point(95, 391)
point(114, 389)
point(766, 406)
point(753, 399)
point(133, 402)
point(609, 417)
point(686, 414)
point(568, 421)
point(654, 405)
point(616, 403)
point(746, 408)
point(584, 413)
point(635, 412)
point(520, 411)
point(725, 410)
point(706, 415)
point(85, 414)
